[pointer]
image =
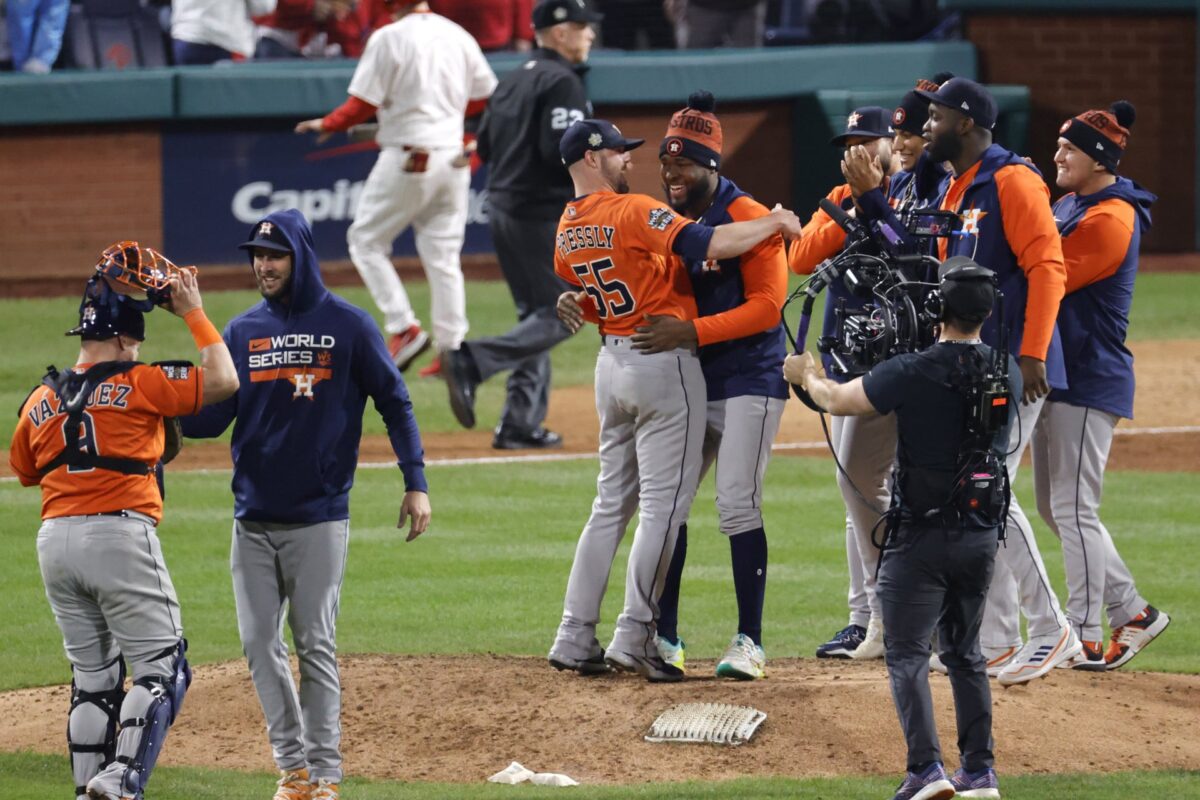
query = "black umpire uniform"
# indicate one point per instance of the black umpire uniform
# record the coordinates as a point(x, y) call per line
point(527, 188)
point(937, 563)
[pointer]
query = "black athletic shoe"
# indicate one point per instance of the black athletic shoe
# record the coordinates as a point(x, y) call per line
point(540, 439)
point(592, 665)
point(844, 642)
point(458, 371)
point(652, 668)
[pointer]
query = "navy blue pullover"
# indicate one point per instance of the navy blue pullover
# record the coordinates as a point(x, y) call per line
point(306, 369)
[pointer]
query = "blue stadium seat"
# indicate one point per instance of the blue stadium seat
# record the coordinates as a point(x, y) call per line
point(793, 26)
point(114, 34)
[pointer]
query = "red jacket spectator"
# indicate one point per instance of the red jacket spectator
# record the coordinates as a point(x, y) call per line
point(495, 24)
point(295, 22)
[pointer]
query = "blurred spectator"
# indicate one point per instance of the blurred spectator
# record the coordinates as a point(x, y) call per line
point(703, 24)
point(495, 24)
point(35, 33)
point(206, 31)
point(636, 25)
point(311, 29)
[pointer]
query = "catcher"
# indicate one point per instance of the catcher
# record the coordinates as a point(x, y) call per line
point(100, 558)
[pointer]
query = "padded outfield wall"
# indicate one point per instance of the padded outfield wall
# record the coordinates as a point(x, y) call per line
point(188, 157)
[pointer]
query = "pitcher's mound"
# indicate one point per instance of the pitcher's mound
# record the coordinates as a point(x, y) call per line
point(462, 718)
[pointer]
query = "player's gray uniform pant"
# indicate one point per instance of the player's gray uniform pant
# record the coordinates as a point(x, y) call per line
point(866, 448)
point(1070, 450)
point(434, 203)
point(652, 410)
point(112, 597)
point(525, 248)
point(293, 574)
point(1020, 583)
point(738, 437)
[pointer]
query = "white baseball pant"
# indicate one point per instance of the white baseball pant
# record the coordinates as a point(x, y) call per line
point(434, 203)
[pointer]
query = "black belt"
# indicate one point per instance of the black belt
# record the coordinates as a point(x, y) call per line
point(121, 513)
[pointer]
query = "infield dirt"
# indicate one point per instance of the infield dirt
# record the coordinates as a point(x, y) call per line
point(462, 718)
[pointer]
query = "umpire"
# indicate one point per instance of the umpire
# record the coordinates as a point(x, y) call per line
point(527, 188)
point(949, 499)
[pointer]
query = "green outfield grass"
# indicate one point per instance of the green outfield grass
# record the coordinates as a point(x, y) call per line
point(33, 777)
point(490, 575)
point(1161, 311)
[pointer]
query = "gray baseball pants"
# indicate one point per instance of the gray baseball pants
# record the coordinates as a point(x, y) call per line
point(866, 449)
point(1070, 450)
point(112, 597)
point(738, 438)
point(1020, 583)
point(293, 574)
point(652, 416)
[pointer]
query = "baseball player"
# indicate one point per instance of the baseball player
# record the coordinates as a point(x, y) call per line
point(420, 75)
point(100, 556)
point(864, 445)
point(742, 345)
point(615, 246)
point(527, 188)
point(1101, 221)
point(307, 360)
point(1008, 227)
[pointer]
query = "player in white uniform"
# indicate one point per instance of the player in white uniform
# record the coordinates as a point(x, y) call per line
point(420, 75)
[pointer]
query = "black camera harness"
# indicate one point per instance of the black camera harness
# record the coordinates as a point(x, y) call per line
point(980, 489)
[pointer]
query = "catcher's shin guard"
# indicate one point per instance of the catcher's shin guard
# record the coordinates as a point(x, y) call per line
point(92, 722)
point(148, 713)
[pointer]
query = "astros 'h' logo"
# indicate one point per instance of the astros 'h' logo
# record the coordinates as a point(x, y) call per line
point(265, 229)
point(674, 147)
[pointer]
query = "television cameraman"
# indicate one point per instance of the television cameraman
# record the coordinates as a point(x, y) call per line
point(949, 499)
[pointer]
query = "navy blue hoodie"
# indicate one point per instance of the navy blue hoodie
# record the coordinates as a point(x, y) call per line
point(306, 370)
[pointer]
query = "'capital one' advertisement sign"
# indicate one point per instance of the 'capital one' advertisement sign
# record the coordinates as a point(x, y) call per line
point(218, 181)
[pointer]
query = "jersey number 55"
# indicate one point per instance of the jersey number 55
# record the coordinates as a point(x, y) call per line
point(602, 291)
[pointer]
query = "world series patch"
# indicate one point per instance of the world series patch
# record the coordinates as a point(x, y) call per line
point(660, 218)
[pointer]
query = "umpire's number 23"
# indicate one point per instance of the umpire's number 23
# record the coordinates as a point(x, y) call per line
point(612, 297)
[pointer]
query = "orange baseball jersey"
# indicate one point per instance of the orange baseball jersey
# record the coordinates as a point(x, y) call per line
point(821, 237)
point(617, 247)
point(123, 419)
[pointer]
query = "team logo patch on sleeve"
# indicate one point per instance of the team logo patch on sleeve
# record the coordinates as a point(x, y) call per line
point(176, 372)
point(660, 218)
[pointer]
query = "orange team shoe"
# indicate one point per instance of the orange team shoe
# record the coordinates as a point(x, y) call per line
point(324, 789)
point(431, 370)
point(294, 785)
point(1090, 659)
point(1132, 637)
point(405, 346)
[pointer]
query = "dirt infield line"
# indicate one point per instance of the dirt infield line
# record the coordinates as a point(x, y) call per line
point(580, 456)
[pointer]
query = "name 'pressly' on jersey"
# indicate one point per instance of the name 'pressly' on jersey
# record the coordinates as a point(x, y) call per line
point(578, 237)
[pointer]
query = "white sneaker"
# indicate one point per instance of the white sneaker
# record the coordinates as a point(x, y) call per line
point(1040, 655)
point(672, 652)
point(743, 660)
point(872, 643)
point(997, 659)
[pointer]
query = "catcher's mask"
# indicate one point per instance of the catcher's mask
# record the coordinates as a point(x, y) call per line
point(104, 313)
point(130, 269)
